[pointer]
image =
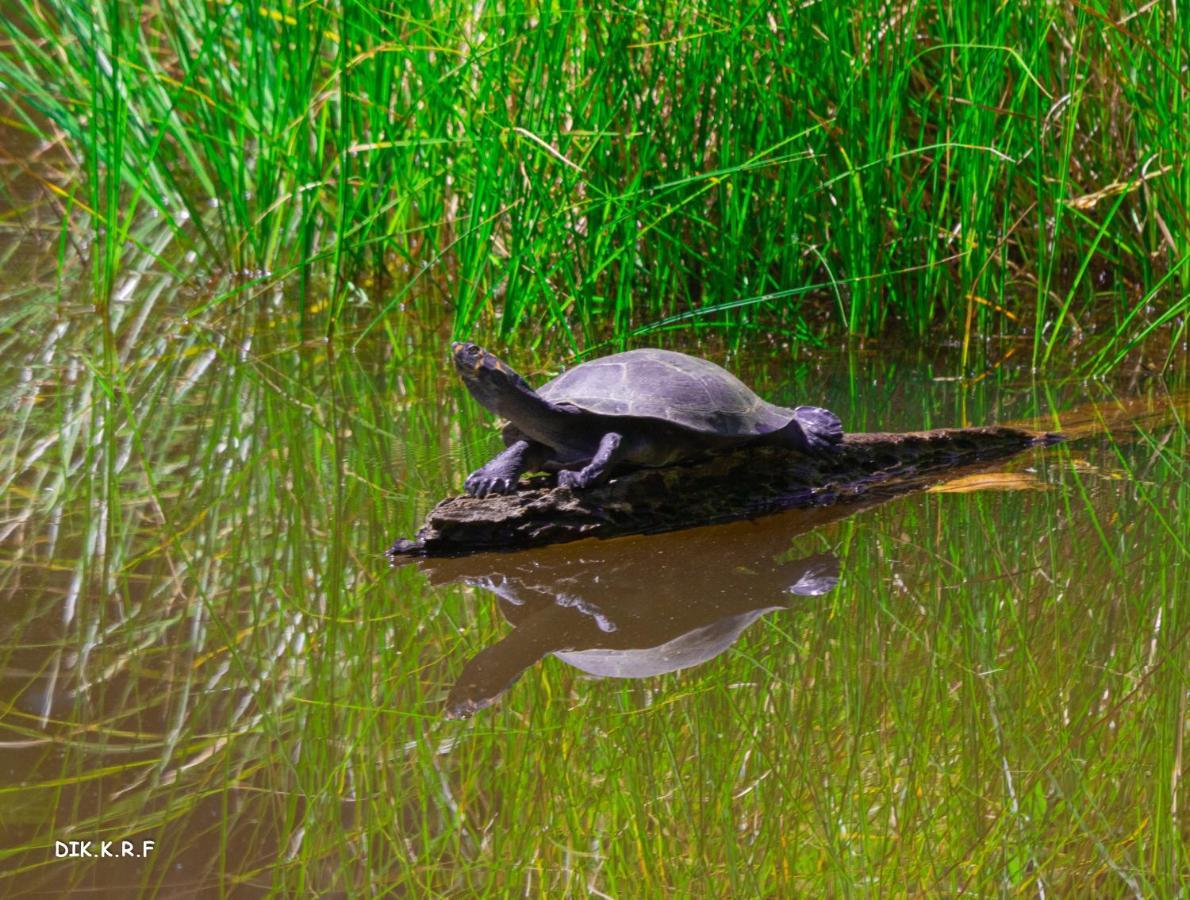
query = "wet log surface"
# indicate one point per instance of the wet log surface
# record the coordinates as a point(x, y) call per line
point(741, 484)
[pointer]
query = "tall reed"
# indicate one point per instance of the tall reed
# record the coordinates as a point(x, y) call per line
point(926, 168)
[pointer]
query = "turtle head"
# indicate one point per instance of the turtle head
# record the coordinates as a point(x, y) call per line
point(489, 379)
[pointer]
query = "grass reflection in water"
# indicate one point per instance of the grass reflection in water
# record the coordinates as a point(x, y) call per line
point(205, 647)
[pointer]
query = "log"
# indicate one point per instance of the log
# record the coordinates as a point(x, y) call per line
point(741, 484)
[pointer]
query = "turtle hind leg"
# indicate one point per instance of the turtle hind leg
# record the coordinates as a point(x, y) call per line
point(501, 473)
point(821, 427)
point(599, 469)
point(811, 430)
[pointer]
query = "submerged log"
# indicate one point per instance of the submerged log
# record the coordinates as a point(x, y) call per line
point(741, 484)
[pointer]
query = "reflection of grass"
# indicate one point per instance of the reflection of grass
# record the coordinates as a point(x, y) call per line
point(607, 169)
point(203, 646)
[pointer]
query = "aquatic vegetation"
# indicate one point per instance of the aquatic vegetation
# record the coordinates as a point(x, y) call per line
point(604, 172)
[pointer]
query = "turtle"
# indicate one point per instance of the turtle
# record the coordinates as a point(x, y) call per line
point(641, 408)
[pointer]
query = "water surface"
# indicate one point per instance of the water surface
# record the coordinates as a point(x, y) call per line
point(981, 687)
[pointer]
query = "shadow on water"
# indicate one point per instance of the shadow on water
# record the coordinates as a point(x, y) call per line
point(633, 607)
point(642, 606)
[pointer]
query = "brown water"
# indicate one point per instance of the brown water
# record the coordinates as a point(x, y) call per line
point(981, 687)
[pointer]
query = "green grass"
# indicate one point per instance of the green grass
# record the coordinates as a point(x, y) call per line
point(587, 173)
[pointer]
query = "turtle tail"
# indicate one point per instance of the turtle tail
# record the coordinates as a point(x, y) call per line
point(814, 429)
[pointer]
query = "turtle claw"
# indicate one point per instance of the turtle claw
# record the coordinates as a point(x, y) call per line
point(502, 473)
point(479, 484)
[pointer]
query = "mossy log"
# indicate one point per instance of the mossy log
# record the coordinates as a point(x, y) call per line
point(737, 485)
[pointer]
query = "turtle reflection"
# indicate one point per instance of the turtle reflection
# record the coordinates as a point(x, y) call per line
point(633, 607)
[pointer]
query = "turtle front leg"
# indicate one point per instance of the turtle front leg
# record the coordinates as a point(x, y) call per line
point(501, 473)
point(599, 469)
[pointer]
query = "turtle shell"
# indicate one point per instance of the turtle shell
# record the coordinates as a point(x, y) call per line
point(672, 387)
